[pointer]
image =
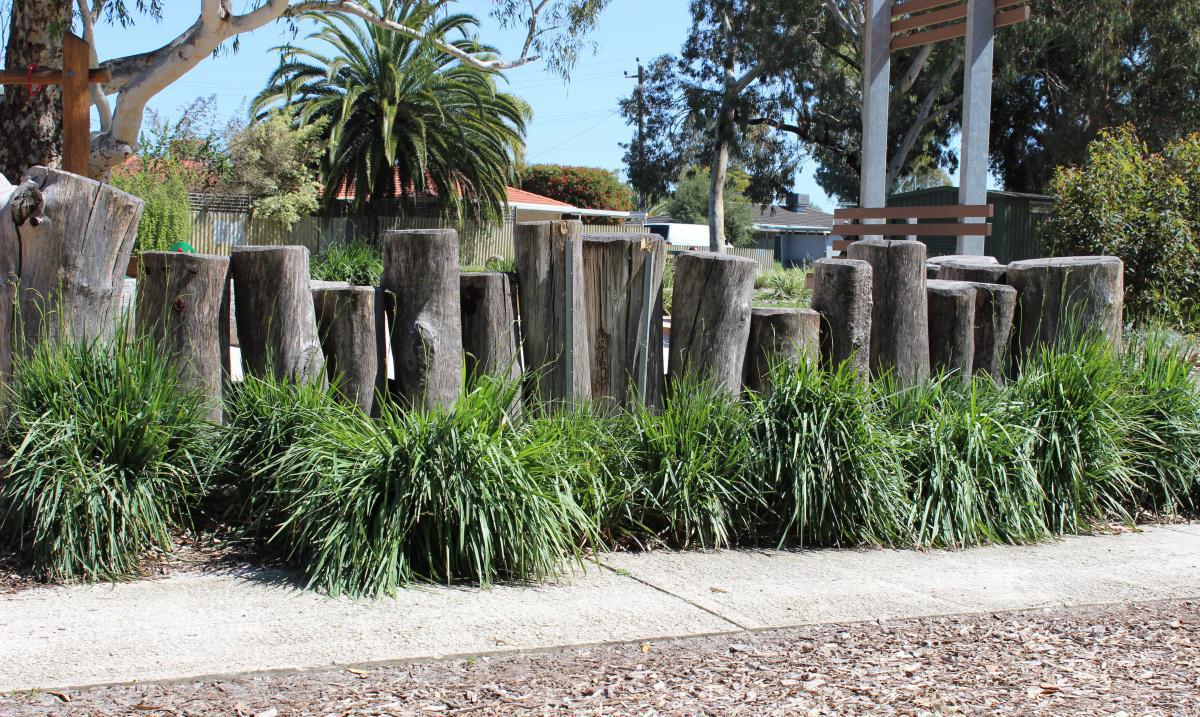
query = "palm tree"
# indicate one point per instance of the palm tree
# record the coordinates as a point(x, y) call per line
point(397, 107)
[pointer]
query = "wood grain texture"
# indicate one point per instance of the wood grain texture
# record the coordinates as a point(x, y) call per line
point(620, 330)
point(951, 327)
point(994, 308)
point(899, 311)
point(276, 320)
point(842, 295)
point(965, 270)
point(420, 276)
point(489, 324)
point(556, 358)
point(779, 335)
point(354, 341)
point(710, 317)
point(183, 307)
point(1065, 297)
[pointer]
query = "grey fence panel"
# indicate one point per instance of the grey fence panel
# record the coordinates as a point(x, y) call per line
point(765, 258)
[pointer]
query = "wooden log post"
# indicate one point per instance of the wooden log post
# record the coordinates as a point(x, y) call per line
point(353, 339)
point(710, 317)
point(981, 272)
point(276, 320)
point(623, 277)
point(68, 242)
point(951, 327)
point(183, 306)
point(899, 307)
point(994, 307)
point(489, 324)
point(1066, 298)
point(420, 277)
point(554, 331)
point(779, 335)
point(842, 295)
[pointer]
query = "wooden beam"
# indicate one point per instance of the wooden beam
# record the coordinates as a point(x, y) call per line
point(922, 230)
point(907, 8)
point(50, 77)
point(76, 105)
point(1012, 17)
point(936, 212)
point(957, 30)
point(958, 12)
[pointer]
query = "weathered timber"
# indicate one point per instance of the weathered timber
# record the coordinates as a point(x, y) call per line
point(779, 335)
point(489, 324)
point(183, 306)
point(276, 321)
point(951, 327)
point(1066, 298)
point(420, 276)
point(994, 307)
point(842, 295)
point(353, 340)
point(964, 270)
point(554, 331)
point(899, 312)
point(710, 317)
point(623, 276)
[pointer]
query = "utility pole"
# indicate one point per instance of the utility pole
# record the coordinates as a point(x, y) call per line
point(640, 154)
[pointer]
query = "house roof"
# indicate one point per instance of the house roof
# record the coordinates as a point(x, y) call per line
point(528, 200)
point(776, 218)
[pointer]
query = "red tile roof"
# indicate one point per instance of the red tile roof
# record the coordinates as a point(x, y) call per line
point(521, 196)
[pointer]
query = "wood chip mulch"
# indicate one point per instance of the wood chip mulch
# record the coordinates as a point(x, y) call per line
point(1117, 660)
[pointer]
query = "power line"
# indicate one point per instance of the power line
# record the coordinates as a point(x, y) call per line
point(574, 137)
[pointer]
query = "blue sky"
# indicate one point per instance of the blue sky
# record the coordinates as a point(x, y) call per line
point(574, 123)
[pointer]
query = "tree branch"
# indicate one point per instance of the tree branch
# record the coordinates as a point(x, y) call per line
point(924, 116)
point(914, 70)
point(95, 93)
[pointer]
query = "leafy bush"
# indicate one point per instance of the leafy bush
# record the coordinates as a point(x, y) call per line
point(782, 287)
point(367, 506)
point(358, 263)
point(1143, 207)
point(166, 216)
point(107, 454)
point(583, 187)
point(834, 465)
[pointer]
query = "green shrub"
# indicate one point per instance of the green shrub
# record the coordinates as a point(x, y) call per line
point(584, 187)
point(358, 263)
point(1074, 402)
point(367, 506)
point(107, 455)
point(834, 466)
point(966, 452)
point(1143, 207)
point(782, 287)
point(167, 215)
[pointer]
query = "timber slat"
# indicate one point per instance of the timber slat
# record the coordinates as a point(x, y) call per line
point(908, 8)
point(927, 230)
point(953, 211)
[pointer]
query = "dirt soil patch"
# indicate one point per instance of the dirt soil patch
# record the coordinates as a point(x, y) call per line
point(1141, 659)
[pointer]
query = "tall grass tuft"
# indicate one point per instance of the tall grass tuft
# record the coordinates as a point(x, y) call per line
point(1164, 410)
point(967, 457)
point(368, 506)
point(1073, 402)
point(690, 469)
point(834, 466)
point(107, 454)
point(356, 262)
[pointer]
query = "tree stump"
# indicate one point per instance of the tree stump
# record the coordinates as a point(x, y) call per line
point(951, 327)
point(899, 311)
point(972, 258)
point(981, 272)
point(779, 335)
point(183, 306)
point(68, 242)
point(489, 324)
point(710, 317)
point(623, 276)
point(554, 331)
point(842, 295)
point(353, 340)
point(420, 275)
point(276, 321)
point(1064, 299)
point(994, 307)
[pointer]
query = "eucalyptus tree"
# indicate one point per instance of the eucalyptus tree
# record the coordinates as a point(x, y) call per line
point(403, 116)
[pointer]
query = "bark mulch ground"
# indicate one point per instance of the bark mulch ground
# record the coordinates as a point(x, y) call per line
point(1116, 660)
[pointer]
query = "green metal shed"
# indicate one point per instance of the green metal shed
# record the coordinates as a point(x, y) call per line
point(1014, 227)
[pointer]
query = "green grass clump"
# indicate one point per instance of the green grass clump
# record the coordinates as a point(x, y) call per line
point(367, 506)
point(834, 466)
point(356, 262)
point(782, 287)
point(1074, 402)
point(690, 469)
point(107, 454)
point(967, 456)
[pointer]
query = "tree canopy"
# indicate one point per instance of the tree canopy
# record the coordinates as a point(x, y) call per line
point(587, 187)
point(689, 203)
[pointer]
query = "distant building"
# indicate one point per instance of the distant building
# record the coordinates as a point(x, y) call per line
point(798, 233)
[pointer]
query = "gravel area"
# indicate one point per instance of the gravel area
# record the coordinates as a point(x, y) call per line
point(1141, 659)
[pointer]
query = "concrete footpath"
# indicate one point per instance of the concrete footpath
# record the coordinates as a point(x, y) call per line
point(190, 626)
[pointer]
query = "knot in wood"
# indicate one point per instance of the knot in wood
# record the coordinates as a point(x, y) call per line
point(179, 305)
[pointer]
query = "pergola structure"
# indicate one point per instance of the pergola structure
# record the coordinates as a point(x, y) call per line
point(893, 26)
